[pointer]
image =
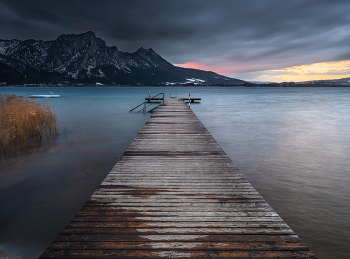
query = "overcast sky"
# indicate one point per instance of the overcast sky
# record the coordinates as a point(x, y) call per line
point(250, 40)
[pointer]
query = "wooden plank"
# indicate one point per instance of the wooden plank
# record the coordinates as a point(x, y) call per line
point(75, 231)
point(232, 246)
point(167, 253)
point(193, 100)
point(144, 237)
point(170, 225)
point(175, 193)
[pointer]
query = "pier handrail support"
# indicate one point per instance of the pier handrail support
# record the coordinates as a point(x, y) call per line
point(149, 101)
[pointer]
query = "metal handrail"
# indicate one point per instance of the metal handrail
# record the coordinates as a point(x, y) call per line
point(144, 103)
point(156, 96)
point(145, 106)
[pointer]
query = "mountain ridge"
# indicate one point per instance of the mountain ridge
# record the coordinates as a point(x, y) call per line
point(85, 58)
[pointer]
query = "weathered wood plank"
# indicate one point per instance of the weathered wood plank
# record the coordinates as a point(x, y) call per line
point(175, 193)
point(101, 209)
point(182, 214)
point(181, 219)
point(221, 226)
point(74, 230)
point(165, 253)
point(144, 237)
point(232, 246)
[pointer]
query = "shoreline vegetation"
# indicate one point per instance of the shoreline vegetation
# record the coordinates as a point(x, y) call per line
point(24, 122)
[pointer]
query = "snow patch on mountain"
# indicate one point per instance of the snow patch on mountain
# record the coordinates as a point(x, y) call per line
point(101, 74)
point(194, 80)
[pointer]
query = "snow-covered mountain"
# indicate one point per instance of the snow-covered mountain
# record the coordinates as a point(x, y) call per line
point(86, 58)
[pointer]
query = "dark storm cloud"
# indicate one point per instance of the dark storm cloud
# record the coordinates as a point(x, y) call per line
point(245, 35)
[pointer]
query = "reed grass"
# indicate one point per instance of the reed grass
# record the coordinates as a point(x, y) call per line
point(23, 121)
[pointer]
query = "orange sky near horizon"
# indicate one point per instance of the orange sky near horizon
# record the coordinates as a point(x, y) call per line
point(307, 72)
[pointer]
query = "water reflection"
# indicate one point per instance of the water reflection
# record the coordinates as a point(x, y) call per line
point(293, 145)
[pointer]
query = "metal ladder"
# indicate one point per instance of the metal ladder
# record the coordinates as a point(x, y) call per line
point(144, 108)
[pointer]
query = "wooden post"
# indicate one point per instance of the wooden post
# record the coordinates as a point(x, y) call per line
point(189, 101)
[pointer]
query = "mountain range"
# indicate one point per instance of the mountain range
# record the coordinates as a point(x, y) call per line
point(84, 58)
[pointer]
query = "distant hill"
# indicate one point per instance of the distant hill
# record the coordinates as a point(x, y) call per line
point(83, 58)
point(315, 83)
point(337, 82)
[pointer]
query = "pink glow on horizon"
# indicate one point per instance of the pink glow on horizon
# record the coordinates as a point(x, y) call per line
point(195, 65)
point(307, 72)
point(192, 65)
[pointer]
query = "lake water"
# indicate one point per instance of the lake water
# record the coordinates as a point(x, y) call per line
point(292, 144)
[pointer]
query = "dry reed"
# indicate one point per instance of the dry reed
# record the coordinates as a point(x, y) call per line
point(23, 121)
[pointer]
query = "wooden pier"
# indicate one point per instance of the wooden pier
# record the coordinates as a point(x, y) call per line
point(176, 194)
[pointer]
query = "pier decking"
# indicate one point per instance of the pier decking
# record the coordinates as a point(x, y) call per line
point(176, 194)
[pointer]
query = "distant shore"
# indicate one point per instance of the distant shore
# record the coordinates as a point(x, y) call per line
point(288, 84)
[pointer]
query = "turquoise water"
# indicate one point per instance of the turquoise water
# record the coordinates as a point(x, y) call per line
point(292, 144)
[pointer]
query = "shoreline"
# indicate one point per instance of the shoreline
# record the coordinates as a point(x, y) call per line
point(195, 86)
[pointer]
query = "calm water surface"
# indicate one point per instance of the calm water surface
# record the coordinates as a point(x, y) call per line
point(293, 145)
